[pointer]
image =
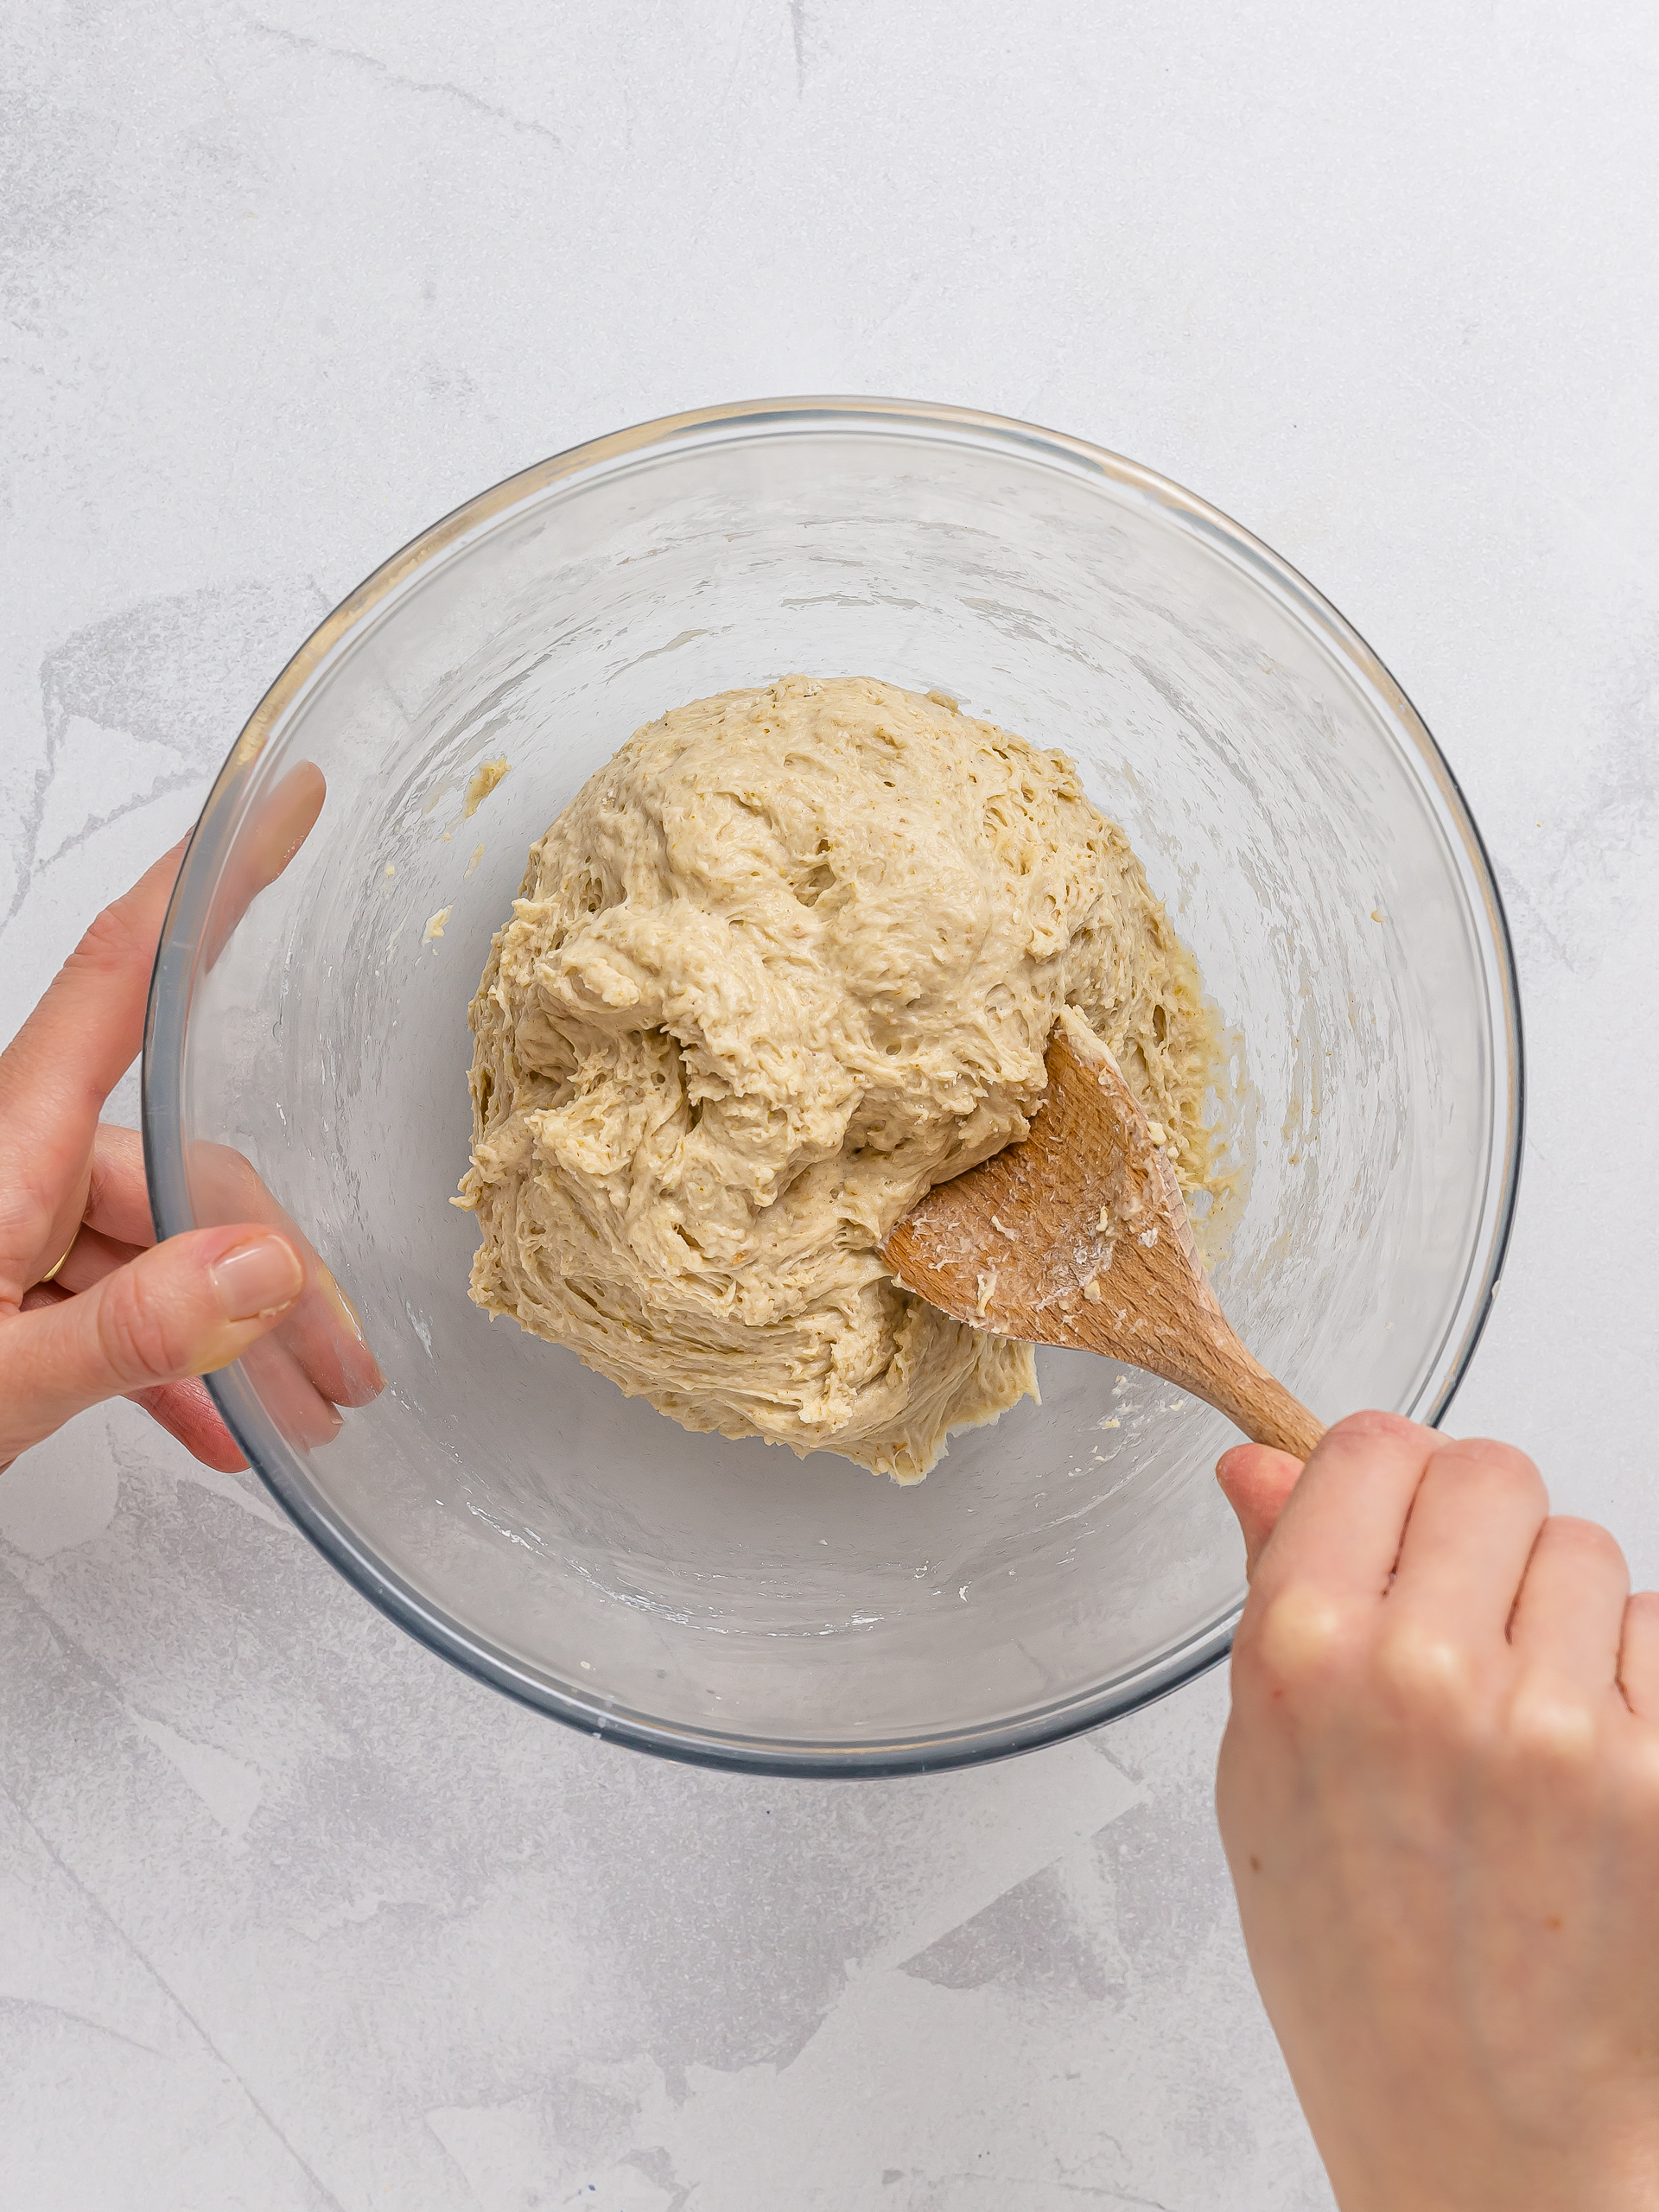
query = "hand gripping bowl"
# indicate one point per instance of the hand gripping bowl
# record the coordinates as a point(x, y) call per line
point(726, 1602)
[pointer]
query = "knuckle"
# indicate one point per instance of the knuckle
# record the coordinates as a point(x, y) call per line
point(1586, 1540)
point(1551, 1725)
point(1374, 1423)
point(1638, 1775)
point(106, 943)
point(1302, 1639)
point(26, 1214)
point(1484, 1460)
point(1429, 1672)
point(140, 1336)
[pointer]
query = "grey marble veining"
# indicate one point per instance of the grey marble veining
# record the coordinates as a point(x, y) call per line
point(291, 1915)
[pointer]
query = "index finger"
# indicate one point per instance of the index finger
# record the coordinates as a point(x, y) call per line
point(278, 825)
point(1342, 1524)
point(85, 1032)
point(70, 1054)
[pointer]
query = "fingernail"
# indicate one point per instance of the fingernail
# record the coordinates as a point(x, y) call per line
point(261, 1276)
point(362, 1369)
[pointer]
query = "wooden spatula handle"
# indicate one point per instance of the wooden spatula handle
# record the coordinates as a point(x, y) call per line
point(1267, 1414)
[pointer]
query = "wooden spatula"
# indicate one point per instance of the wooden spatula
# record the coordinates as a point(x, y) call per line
point(1078, 1236)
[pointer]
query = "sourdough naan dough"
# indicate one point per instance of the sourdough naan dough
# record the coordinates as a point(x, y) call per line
point(790, 959)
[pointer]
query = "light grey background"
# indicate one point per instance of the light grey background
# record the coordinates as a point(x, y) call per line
point(290, 1914)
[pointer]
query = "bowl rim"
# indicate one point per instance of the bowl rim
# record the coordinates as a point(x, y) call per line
point(172, 974)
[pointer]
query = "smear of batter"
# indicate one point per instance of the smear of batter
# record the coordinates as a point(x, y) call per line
point(482, 781)
point(790, 959)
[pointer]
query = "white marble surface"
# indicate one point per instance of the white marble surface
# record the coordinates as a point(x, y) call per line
point(292, 1915)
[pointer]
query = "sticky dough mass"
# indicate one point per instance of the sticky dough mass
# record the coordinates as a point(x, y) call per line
point(790, 959)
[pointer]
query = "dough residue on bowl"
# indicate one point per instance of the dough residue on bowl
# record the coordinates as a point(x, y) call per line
point(791, 957)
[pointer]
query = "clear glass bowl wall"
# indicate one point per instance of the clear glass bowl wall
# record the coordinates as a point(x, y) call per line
point(724, 1601)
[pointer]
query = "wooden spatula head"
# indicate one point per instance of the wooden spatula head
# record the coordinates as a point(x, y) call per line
point(1078, 1236)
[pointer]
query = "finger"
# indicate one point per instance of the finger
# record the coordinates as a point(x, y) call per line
point(324, 1364)
point(60, 1068)
point(1474, 1525)
point(287, 1375)
point(117, 1197)
point(116, 1224)
point(326, 1337)
point(280, 825)
point(1569, 1616)
point(1256, 1482)
point(1638, 1655)
point(184, 1411)
point(187, 1307)
point(305, 1416)
point(89, 1259)
point(323, 1331)
point(116, 1221)
point(1341, 1525)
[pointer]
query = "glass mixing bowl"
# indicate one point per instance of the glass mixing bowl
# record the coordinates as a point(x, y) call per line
point(726, 1602)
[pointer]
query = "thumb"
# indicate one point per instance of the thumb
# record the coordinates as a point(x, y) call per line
point(184, 1307)
point(1255, 1481)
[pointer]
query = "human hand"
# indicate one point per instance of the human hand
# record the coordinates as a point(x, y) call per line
point(121, 1315)
point(1439, 1792)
